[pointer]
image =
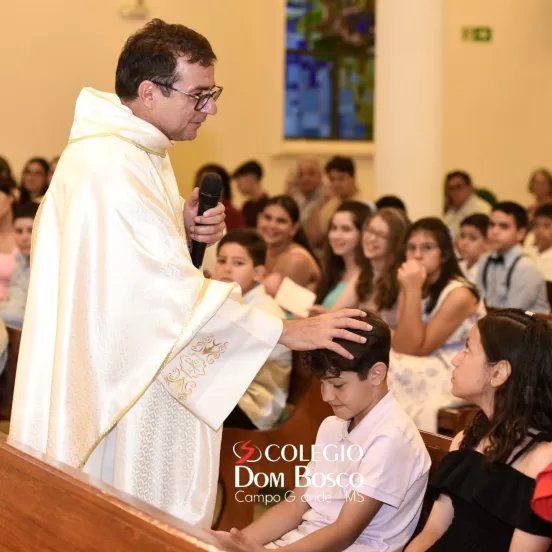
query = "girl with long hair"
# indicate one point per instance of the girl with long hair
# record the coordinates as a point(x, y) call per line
point(343, 256)
point(437, 308)
point(484, 486)
point(288, 250)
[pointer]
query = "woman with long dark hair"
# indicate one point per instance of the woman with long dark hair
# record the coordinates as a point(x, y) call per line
point(343, 257)
point(484, 487)
point(437, 309)
point(34, 180)
point(288, 251)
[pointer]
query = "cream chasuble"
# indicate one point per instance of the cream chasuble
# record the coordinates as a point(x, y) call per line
point(130, 360)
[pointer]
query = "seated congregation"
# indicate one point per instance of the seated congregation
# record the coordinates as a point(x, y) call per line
point(457, 308)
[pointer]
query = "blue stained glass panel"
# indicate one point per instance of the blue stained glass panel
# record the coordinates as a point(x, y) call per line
point(356, 98)
point(308, 97)
point(330, 69)
point(297, 18)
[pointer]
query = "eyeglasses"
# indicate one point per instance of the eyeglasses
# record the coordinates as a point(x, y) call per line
point(423, 247)
point(201, 99)
point(375, 234)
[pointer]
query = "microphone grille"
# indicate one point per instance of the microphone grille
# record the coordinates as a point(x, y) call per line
point(211, 185)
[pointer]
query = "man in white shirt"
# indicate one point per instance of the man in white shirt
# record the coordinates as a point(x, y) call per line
point(462, 200)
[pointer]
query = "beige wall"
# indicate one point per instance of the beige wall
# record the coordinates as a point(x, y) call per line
point(497, 96)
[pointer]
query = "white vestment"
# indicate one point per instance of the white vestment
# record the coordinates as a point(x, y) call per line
point(123, 338)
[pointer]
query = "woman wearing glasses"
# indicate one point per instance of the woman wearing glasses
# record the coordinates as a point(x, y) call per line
point(437, 309)
point(375, 287)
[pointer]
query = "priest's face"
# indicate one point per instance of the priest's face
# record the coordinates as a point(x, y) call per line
point(175, 115)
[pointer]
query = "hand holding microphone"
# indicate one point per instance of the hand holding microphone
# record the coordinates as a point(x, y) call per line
point(204, 230)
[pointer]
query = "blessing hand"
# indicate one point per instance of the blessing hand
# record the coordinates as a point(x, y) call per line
point(320, 331)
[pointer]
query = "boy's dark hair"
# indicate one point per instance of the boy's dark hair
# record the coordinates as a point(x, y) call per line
point(376, 349)
point(250, 167)
point(479, 221)
point(459, 174)
point(544, 210)
point(25, 210)
point(250, 240)
point(341, 164)
point(390, 201)
point(515, 210)
point(152, 54)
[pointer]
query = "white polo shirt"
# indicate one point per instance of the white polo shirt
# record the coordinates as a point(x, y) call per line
point(384, 458)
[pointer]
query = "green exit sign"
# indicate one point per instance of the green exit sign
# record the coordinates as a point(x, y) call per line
point(477, 34)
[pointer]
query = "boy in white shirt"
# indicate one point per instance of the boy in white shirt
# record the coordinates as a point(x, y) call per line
point(241, 256)
point(472, 244)
point(542, 229)
point(384, 465)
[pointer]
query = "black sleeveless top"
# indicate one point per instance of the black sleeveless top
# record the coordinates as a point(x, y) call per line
point(490, 501)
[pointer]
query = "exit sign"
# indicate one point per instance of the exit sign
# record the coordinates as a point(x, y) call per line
point(477, 34)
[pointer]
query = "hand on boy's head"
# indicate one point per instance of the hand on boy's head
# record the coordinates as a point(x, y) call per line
point(319, 332)
point(412, 274)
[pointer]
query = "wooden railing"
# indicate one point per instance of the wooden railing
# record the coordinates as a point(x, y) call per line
point(45, 506)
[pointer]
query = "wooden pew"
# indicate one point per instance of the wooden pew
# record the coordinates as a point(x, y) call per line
point(45, 506)
point(437, 446)
point(8, 376)
point(454, 419)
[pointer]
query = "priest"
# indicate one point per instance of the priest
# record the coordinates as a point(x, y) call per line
point(130, 359)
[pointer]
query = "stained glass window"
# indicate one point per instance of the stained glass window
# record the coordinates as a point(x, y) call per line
point(329, 69)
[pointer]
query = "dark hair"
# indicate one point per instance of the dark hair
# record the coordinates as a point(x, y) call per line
point(459, 174)
point(390, 201)
point(524, 401)
point(5, 168)
point(333, 264)
point(224, 176)
point(7, 185)
point(515, 210)
point(290, 206)
point(546, 175)
point(386, 287)
point(25, 210)
point(479, 221)
point(249, 168)
point(450, 270)
point(376, 349)
point(25, 196)
point(545, 210)
point(152, 53)
point(250, 240)
point(341, 164)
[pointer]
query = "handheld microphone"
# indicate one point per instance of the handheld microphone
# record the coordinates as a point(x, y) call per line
point(209, 196)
